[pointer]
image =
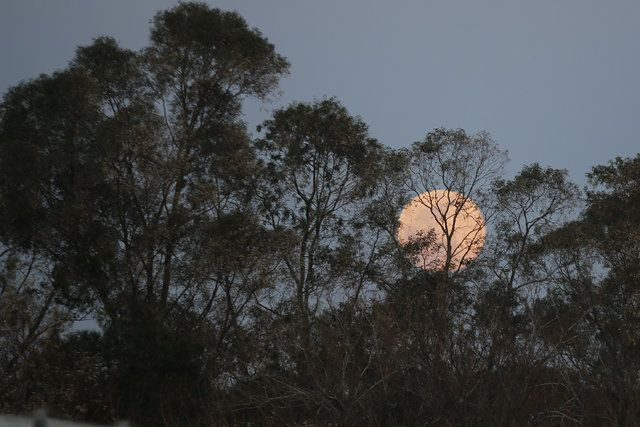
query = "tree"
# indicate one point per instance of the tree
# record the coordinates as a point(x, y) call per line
point(534, 203)
point(262, 281)
point(515, 306)
point(600, 284)
point(320, 163)
point(126, 169)
point(463, 167)
point(29, 318)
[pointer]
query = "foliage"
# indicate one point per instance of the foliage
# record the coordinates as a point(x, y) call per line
point(240, 280)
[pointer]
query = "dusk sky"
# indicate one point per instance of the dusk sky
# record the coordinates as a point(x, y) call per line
point(553, 81)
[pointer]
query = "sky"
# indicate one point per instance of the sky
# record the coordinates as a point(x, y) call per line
point(553, 81)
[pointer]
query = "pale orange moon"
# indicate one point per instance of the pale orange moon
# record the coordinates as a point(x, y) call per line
point(429, 218)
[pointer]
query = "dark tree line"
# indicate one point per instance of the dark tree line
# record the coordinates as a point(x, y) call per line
point(259, 280)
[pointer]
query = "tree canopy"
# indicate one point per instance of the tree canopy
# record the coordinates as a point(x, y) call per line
point(257, 278)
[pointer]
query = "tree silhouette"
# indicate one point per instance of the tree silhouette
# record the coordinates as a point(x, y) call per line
point(261, 281)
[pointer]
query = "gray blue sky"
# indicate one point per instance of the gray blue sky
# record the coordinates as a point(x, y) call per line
point(554, 81)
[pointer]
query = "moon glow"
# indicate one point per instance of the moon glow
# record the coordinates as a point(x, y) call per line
point(435, 220)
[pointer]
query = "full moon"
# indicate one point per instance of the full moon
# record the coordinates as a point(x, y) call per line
point(437, 220)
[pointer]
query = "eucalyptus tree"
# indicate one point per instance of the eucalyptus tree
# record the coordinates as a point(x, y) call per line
point(520, 278)
point(29, 318)
point(584, 321)
point(534, 203)
point(320, 165)
point(522, 268)
point(462, 167)
point(600, 288)
point(135, 153)
point(132, 174)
